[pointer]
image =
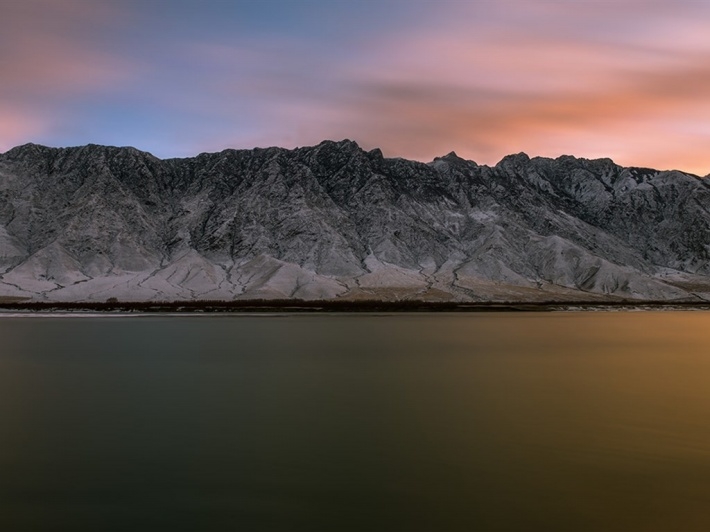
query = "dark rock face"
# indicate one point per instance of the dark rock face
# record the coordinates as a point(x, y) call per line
point(333, 220)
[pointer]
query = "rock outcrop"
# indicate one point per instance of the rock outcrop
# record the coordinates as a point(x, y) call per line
point(335, 221)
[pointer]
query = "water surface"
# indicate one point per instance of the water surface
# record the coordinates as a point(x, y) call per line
point(563, 421)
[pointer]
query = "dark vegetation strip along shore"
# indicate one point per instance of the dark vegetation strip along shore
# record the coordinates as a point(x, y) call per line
point(294, 305)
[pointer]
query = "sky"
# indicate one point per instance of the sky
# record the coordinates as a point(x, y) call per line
point(626, 79)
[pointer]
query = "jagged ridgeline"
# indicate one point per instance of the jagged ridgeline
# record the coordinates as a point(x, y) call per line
point(335, 221)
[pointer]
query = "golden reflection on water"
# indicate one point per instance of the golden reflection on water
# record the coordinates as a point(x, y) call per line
point(607, 414)
point(569, 421)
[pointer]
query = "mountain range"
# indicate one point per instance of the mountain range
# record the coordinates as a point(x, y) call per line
point(330, 221)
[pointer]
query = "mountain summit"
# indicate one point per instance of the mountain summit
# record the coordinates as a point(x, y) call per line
point(335, 221)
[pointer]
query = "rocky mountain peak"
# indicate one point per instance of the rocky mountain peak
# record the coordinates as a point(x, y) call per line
point(333, 220)
point(514, 162)
point(25, 151)
point(453, 158)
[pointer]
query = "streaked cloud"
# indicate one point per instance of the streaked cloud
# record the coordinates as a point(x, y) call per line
point(488, 87)
point(49, 53)
point(626, 79)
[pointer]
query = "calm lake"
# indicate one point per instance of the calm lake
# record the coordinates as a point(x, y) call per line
point(431, 422)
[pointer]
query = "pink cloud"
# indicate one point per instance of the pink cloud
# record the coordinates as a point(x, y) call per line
point(17, 126)
point(47, 47)
point(488, 79)
point(486, 92)
point(626, 79)
point(48, 51)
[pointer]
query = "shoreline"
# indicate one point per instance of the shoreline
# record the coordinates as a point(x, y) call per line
point(340, 306)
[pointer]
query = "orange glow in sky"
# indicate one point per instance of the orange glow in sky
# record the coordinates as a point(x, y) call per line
point(627, 79)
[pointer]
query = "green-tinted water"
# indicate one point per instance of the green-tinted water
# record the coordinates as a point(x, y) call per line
point(315, 422)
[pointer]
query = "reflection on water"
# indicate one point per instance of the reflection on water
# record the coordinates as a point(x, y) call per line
point(315, 422)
